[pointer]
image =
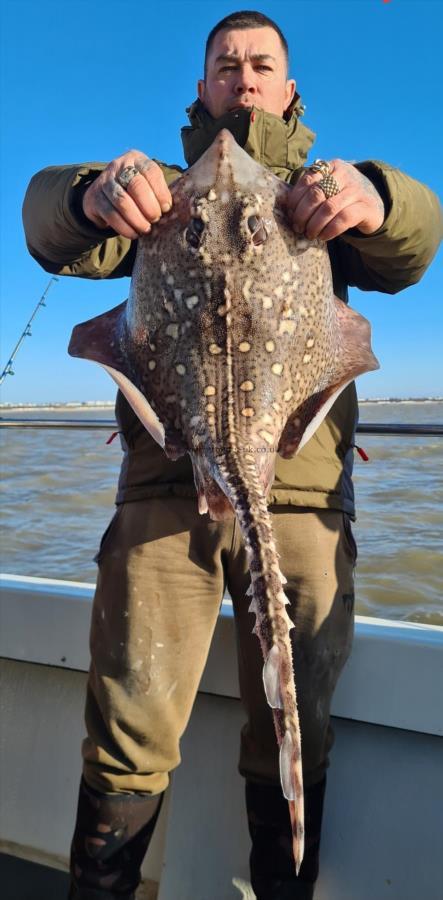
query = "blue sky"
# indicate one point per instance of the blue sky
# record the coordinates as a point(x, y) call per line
point(88, 80)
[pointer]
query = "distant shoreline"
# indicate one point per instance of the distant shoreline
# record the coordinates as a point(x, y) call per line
point(109, 404)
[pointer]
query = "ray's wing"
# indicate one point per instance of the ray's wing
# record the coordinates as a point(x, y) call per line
point(356, 358)
point(101, 340)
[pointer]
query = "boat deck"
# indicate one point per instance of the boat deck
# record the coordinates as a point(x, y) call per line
point(23, 880)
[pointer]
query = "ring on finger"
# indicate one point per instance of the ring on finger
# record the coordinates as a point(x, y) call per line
point(126, 175)
point(329, 186)
point(321, 166)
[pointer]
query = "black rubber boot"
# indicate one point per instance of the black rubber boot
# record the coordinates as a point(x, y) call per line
point(111, 837)
point(272, 863)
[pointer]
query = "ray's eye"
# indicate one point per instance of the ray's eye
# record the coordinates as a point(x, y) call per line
point(194, 232)
point(257, 228)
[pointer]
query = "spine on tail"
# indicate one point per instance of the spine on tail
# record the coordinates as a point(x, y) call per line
point(240, 481)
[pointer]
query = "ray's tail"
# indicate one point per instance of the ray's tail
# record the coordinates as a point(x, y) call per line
point(240, 481)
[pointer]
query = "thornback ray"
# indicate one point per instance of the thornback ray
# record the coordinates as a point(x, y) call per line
point(231, 348)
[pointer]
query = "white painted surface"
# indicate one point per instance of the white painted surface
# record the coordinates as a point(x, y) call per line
point(41, 732)
point(382, 827)
point(394, 676)
point(383, 823)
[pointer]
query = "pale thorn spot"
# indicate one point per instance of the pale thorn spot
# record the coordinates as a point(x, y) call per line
point(178, 293)
point(170, 279)
point(228, 319)
point(183, 403)
point(222, 309)
point(214, 349)
point(211, 420)
point(247, 386)
point(152, 347)
point(297, 376)
point(225, 258)
point(180, 369)
point(208, 273)
point(296, 422)
point(227, 294)
point(287, 312)
point(192, 273)
point(163, 268)
point(191, 301)
point(195, 420)
point(248, 412)
point(307, 358)
point(267, 419)
point(310, 342)
point(302, 310)
point(151, 365)
point(225, 197)
point(270, 346)
point(209, 391)
point(210, 408)
point(286, 327)
point(244, 347)
point(212, 195)
point(171, 398)
point(295, 266)
point(277, 368)
point(312, 311)
point(169, 307)
point(286, 277)
point(204, 215)
point(247, 289)
point(206, 257)
point(207, 289)
point(279, 291)
point(172, 330)
point(267, 436)
point(287, 395)
point(158, 644)
point(267, 303)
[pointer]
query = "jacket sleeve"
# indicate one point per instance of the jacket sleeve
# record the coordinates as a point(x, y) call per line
point(59, 235)
point(397, 255)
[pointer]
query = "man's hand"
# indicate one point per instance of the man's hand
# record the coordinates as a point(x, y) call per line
point(129, 211)
point(357, 205)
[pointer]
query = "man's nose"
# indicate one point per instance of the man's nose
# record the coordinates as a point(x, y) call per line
point(245, 81)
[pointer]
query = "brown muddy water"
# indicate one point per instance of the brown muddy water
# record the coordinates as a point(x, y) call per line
point(58, 489)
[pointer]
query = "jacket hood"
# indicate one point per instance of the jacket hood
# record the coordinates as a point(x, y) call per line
point(281, 145)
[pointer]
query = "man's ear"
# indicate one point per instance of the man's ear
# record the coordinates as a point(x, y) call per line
point(201, 87)
point(289, 92)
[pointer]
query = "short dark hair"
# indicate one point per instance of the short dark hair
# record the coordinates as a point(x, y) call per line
point(247, 18)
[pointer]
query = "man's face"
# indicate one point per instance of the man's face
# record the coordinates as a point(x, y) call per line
point(246, 68)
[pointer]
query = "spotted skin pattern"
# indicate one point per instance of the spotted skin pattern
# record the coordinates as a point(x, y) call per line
point(232, 347)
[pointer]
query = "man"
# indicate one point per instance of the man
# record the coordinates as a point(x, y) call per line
point(162, 568)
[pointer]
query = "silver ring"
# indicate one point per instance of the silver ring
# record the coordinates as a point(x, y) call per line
point(320, 165)
point(329, 186)
point(126, 175)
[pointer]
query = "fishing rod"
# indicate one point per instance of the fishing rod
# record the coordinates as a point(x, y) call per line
point(8, 370)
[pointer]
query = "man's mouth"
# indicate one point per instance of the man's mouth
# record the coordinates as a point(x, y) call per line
point(240, 106)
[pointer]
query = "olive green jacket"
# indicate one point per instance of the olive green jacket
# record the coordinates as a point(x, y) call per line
point(65, 242)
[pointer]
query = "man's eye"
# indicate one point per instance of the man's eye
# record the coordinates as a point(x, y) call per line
point(267, 68)
point(227, 68)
